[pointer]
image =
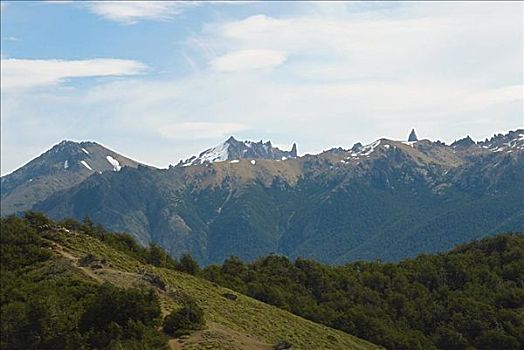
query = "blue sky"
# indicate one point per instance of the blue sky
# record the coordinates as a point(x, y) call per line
point(161, 81)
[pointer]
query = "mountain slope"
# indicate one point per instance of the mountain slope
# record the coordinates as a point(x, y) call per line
point(386, 200)
point(231, 324)
point(63, 166)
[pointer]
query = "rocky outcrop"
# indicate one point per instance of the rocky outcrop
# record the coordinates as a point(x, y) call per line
point(412, 136)
point(233, 150)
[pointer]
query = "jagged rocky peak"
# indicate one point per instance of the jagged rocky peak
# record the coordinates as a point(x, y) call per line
point(293, 151)
point(466, 142)
point(233, 149)
point(67, 148)
point(510, 142)
point(357, 147)
point(412, 136)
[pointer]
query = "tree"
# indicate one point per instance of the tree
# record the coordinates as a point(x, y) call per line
point(157, 255)
point(188, 265)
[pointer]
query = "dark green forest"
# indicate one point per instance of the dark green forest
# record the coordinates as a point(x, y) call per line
point(469, 298)
point(46, 304)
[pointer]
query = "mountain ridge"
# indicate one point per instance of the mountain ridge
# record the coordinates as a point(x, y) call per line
point(66, 164)
point(336, 206)
point(234, 150)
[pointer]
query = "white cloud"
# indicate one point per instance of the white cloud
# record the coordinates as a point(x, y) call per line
point(185, 131)
point(129, 12)
point(26, 74)
point(244, 60)
point(446, 69)
point(458, 43)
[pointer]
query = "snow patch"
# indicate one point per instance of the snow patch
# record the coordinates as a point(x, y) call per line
point(234, 161)
point(253, 161)
point(507, 147)
point(66, 164)
point(114, 163)
point(85, 151)
point(409, 143)
point(218, 153)
point(386, 146)
point(366, 150)
point(284, 158)
point(86, 165)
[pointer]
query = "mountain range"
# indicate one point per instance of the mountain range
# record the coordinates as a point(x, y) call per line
point(386, 200)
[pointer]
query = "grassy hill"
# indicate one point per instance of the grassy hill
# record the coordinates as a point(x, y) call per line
point(62, 258)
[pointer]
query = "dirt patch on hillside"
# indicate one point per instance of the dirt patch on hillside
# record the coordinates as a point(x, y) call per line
point(218, 337)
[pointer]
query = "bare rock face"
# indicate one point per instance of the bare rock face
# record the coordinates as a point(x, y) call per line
point(234, 150)
point(283, 345)
point(230, 296)
point(463, 143)
point(412, 136)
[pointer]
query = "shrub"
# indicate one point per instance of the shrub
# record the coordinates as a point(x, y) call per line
point(189, 317)
point(188, 265)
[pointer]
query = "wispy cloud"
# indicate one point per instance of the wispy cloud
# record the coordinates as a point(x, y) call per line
point(244, 60)
point(129, 12)
point(444, 68)
point(26, 74)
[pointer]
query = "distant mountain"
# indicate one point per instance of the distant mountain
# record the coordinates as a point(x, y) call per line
point(235, 150)
point(63, 166)
point(386, 200)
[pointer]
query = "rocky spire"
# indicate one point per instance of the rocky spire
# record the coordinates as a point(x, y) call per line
point(293, 152)
point(231, 139)
point(412, 136)
point(463, 143)
point(357, 147)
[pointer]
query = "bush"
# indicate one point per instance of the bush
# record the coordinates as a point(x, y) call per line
point(189, 317)
point(188, 265)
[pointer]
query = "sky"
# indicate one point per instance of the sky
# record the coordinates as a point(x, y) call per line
point(161, 81)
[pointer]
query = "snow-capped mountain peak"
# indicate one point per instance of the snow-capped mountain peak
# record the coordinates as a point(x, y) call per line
point(510, 142)
point(63, 166)
point(233, 149)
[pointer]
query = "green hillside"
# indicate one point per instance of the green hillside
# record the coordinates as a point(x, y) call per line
point(469, 298)
point(73, 286)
